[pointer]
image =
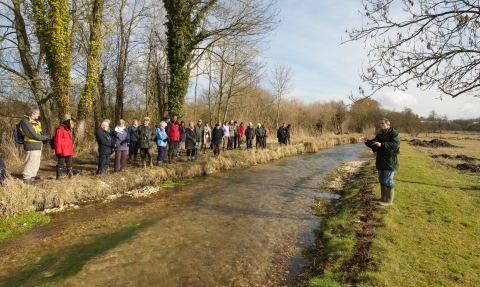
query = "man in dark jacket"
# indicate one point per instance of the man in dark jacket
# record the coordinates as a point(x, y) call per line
point(387, 145)
point(31, 129)
point(133, 141)
point(282, 134)
point(199, 132)
point(217, 136)
point(105, 145)
point(146, 136)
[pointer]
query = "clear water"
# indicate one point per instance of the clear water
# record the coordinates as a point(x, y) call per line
point(236, 228)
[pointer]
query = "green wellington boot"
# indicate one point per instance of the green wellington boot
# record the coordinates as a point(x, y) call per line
point(382, 197)
point(389, 193)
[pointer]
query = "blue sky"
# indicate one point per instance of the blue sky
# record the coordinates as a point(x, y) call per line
point(309, 40)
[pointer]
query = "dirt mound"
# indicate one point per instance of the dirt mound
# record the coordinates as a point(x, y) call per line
point(459, 157)
point(432, 143)
point(468, 166)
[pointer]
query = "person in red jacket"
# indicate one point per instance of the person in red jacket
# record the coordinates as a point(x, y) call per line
point(64, 147)
point(174, 137)
point(241, 131)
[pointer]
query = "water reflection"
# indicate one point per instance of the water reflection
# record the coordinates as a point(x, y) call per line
point(237, 228)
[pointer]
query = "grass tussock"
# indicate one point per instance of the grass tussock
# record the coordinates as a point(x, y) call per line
point(17, 198)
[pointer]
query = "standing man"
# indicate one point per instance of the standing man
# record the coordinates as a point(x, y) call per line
point(145, 135)
point(133, 150)
point(174, 137)
point(387, 146)
point(231, 134)
point(199, 133)
point(31, 129)
point(226, 135)
point(249, 135)
point(259, 133)
point(282, 134)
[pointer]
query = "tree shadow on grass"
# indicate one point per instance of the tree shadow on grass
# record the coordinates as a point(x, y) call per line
point(67, 262)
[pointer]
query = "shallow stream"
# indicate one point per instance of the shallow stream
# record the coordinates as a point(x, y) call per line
point(237, 228)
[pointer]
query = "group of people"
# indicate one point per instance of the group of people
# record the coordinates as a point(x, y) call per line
point(176, 136)
point(169, 136)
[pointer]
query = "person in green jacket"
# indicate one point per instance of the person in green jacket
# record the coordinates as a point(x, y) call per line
point(387, 146)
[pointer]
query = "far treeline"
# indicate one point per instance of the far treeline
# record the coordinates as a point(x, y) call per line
point(100, 59)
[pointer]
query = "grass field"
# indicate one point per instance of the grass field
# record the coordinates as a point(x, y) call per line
point(429, 237)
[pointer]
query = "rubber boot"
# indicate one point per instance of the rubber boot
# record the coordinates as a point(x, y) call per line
point(134, 158)
point(151, 163)
point(144, 163)
point(193, 158)
point(389, 193)
point(70, 172)
point(382, 197)
point(59, 173)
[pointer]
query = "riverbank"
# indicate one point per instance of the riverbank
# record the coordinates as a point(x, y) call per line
point(429, 237)
point(18, 199)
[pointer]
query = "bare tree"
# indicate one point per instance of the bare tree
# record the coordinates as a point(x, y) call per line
point(193, 25)
point(433, 43)
point(280, 81)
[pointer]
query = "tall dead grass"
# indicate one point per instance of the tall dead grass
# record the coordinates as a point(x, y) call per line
point(17, 198)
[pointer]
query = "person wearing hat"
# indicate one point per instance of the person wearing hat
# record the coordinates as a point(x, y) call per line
point(249, 135)
point(145, 135)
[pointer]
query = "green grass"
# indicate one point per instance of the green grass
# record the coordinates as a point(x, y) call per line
point(429, 237)
point(9, 227)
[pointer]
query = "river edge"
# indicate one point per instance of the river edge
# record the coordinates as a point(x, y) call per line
point(19, 201)
point(342, 243)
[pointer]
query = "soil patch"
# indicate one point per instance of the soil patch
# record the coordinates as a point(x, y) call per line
point(432, 143)
point(468, 166)
point(459, 157)
point(368, 222)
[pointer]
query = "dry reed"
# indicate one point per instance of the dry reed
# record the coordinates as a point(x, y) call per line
point(18, 198)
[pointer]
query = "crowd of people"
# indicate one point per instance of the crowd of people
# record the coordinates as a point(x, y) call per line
point(170, 136)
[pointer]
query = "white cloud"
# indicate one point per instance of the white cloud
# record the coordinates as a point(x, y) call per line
point(400, 99)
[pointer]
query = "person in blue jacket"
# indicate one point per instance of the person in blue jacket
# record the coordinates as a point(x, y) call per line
point(161, 142)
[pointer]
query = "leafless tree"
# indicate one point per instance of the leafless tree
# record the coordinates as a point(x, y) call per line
point(432, 43)
point(281, 83)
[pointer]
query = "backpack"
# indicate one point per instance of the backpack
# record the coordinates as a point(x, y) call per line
point(17, 134)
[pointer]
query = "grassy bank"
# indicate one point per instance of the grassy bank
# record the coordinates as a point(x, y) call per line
point(430, 237)
point(17, 199)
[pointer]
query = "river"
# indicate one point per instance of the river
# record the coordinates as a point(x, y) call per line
point(236, 228)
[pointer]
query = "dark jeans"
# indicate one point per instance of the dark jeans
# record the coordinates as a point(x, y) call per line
point(265, 142)
point(190, 152)
point(230, 143)
point(239, 141)
point(249, 143)
point(120, 160)
point(103, 162)
point(63, 161)
point(133, 149)
point(162, 150)
point(259, 142)
point(235, 141)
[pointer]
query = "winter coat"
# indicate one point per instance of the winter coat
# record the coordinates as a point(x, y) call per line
point(207, 136)
point(217, 135)
point(121, 139)
point(161, 137)
point(183, 137)
point(191, 141)
point(226, 130)
point(105, 142)
point(386, 154)
point(63, 140)
point(249, 133)
point(174, 133)
point(32, 134)
point(199, 132)
point(260, 133)
point(231, 130)
point(145, 136)
point(241, 131)
point(131, 133)
point(282, 133)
